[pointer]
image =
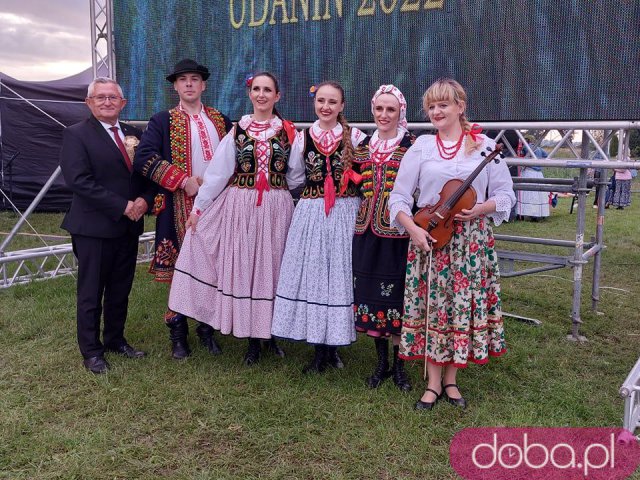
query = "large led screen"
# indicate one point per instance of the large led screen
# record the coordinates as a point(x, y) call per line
point(520, 60)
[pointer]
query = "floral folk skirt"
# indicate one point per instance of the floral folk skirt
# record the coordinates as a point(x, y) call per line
point(465, 318)
point(622, 194)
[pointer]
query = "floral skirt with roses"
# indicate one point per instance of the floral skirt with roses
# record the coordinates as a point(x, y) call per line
point(379, 266)
point(465, 318)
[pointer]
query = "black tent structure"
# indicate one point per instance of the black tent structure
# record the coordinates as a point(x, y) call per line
point(32, 118)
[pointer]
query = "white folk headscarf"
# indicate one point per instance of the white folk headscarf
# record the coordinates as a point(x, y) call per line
point(393, 90)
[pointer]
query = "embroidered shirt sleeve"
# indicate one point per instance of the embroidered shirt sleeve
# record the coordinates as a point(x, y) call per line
point(218, 173)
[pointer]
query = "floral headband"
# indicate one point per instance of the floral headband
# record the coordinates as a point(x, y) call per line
point(248, 80)
point(312, 90)
point(393, 90)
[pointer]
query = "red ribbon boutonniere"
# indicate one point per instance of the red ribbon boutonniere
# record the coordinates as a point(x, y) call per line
point(474, 132)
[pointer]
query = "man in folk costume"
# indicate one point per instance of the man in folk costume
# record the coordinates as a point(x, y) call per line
point(174, 152)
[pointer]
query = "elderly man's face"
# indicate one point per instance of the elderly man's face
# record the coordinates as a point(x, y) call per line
point(106, 103)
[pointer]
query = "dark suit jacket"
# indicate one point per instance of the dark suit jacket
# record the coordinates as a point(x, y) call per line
point(96, 173)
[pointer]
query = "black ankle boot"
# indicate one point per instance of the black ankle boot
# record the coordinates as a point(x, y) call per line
point(382, 368)
point(205, 333)
point(318, 364)
point(271, 346)
point(398, 373)
point(253, 352)
point(178, 332)
point(332, 358)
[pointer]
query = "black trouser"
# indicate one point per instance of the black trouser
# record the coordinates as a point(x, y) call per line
point(106, 267)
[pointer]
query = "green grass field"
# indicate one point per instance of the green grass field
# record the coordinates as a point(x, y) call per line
point(212, 417)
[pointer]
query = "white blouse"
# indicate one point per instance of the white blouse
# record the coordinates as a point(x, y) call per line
point(422, 168)
point(222, 167)
point(327, 139)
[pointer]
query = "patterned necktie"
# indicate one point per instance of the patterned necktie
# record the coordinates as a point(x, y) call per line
point(123, 150)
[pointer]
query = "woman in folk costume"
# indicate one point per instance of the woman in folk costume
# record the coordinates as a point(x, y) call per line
point(228, 267)
point(314, 299)
point(379, 250)
point(534, 205)
point(464, 319)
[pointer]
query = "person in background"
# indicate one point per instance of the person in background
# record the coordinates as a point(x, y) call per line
point(464, 322)
point(175, 150)
point(622, 188)
point(104, 220)
point(531, 204)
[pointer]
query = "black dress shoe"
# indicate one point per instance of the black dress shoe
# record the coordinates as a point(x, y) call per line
point(456, 402)
point(420, 405)
point(127, 351)
point(96, 365)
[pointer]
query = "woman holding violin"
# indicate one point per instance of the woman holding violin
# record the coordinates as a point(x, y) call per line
point(455, 265)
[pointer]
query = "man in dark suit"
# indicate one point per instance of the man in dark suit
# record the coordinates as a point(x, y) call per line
point(105, 220)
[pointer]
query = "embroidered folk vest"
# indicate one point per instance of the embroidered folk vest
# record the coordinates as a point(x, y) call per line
point(377, 183)
point(246, 171)
point(316, 170)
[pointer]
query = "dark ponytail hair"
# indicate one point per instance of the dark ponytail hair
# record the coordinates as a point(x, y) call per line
point(347, 150)
point(283, 133)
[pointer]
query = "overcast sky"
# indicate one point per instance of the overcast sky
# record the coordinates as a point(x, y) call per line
point(44, 39)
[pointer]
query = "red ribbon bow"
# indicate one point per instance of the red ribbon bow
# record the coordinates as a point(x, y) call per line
point(475, 131)
point(349, 176)
point(329, 194)
point(261, 186)
point(290, 128)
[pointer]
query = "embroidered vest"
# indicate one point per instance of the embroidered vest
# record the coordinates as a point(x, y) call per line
point(316, 170)
point(246, 171)
point(377, 183)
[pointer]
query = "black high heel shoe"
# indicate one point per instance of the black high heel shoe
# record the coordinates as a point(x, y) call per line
point(456, 402)
point(420, 405)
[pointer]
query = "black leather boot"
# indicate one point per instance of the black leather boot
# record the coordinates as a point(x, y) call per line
point(271, 346)
point(398, 373)
point(205, 333)
point(253, 352)
point(382, 368)
point(318, 364)
point(332, 358)
point(178, 332)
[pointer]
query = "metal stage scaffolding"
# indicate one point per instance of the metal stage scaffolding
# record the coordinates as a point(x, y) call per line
point(50, 262)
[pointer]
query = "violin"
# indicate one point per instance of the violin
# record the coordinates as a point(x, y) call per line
point(456, 195)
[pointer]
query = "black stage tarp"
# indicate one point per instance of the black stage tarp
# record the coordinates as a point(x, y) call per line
point(30, 141)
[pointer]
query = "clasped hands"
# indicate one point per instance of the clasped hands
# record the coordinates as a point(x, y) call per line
point(136, 209)
point(192, 186)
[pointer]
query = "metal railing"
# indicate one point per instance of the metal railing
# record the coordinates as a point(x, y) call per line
point(630, 391)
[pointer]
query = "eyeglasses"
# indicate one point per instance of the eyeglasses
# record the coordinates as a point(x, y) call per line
point(104, 98)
